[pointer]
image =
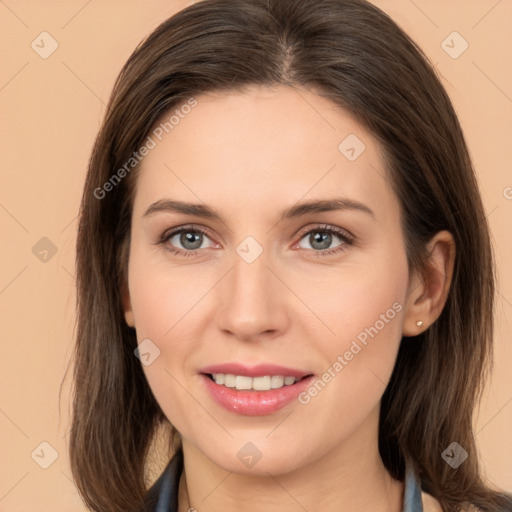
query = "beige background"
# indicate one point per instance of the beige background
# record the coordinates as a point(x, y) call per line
point(51, 110)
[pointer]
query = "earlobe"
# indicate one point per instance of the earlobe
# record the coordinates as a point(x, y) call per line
point(428, 293)
point(127, 307)
point(128, 315)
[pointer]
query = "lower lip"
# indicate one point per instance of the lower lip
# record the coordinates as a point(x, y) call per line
point(255, 403)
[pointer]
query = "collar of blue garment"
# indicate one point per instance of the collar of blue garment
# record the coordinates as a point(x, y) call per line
point(168, 483)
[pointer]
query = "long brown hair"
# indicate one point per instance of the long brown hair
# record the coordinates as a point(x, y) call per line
point(358, 57)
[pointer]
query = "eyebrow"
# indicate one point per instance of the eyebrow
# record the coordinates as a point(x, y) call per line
point(297, 210)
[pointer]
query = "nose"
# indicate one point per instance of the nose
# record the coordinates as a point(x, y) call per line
point(252, 301)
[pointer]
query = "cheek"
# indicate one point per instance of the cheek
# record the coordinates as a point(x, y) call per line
point(164, 299)
point(362, 304)
point(364, 310)
point(165, 311)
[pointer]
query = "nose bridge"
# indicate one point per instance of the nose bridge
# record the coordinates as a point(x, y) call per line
point(250, 279)
point(251, 302)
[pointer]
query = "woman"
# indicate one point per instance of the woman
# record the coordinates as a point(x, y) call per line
point(284, 265)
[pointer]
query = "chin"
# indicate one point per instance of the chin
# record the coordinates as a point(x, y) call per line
point(258, 458)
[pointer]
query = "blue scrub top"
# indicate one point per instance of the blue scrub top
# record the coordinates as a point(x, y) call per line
point(163, 495)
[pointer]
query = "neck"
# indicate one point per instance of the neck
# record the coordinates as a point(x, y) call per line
point(349, 477)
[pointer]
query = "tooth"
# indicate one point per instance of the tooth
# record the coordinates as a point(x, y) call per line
point(229, 380)
point(243, 382)
point(261, 383)
point(276, 381)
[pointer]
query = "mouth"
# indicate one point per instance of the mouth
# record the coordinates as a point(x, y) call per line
point(254, 391)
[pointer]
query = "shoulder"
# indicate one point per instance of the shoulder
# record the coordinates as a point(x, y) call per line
point(430, 504)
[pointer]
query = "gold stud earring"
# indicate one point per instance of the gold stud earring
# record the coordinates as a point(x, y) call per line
point(419, 323)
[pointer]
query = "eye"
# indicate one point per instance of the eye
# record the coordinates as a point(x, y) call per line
point(321, 240)
point(185, 240)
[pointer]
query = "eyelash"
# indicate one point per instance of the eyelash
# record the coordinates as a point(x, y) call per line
point(345, 238)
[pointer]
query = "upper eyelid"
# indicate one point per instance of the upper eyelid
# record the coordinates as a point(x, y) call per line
point(326, 227)
point(186, 227)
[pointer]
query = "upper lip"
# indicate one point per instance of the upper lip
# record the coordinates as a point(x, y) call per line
point(258, 370)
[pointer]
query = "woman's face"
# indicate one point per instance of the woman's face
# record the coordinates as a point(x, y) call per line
point(291, 268)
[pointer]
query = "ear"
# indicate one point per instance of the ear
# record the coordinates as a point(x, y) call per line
point(427, 293)
point(127, 306)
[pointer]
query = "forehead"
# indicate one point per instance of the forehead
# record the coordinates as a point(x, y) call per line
point(262, 147)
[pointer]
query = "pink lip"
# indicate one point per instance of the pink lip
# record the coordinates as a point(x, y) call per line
point(254, 403)
point(259, 370)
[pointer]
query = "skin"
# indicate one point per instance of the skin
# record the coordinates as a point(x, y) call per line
point(249, 155)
